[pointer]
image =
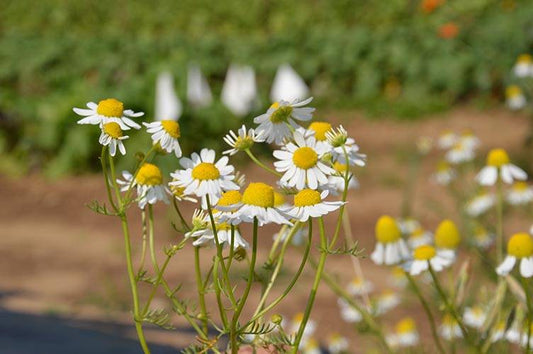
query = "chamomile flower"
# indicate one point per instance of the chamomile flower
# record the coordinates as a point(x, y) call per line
point(243, 140)
point(309, 203)
point(274, 124)
point(390, 248)
point(386, 301)
point(444, 174)
point(520, 194)
point(344, 148)
point(469, 140)
point(205, 178)
point(336, 183)
point(424, 145)
point(112, 136)
point(523, 66)
point(206, 236)
point(449, 329)
point(310, 346)
point(300, 163)
point(460, 153)
point(298, 238)
point(258, 202)
point(106, 111)
point(348, 312)
point(514, 97)
point(320, 129)
point(474, 317)
point(397, 277)
point(406, 332)
point(423, 257)
point(359, 286)
point(165, 133)
point(420, 237)
point(227, 206)
point(447, 140)
point(480, 204)
point(178, 193)
point(447, 239)
point(499, 165)
point(482, 238)
point(519, 247)
point(149, 184)
point(499, 332)
point(337, 344)
point(525, 336)
point(294, 325)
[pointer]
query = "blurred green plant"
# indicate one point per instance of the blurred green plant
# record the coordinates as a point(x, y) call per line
point(394, 56)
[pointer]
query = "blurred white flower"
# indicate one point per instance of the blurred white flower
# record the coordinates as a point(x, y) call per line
point(167, 103)
point(288, 85)
point(198, 91)
point(515, 98)
point(523, 66)
point(239, 92)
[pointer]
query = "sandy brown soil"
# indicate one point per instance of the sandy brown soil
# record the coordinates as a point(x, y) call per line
point(56, 256)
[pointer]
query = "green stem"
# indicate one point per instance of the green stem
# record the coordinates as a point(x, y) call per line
point(429, 314)
point(200, 288)
point(344, 196)
point(106, 178)
point(242, 301)
point(525, 285)
point(151, 240)
point(114, 180)
point(221, 310)
point(499, 225)
point(231, 247)
point(314, 288)
point(156, 285)
point(260, 164)
point(143, 247)
point(180, 215)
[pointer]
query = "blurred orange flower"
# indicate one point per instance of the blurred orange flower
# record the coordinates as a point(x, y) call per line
point(428, 6)
point(448, 30)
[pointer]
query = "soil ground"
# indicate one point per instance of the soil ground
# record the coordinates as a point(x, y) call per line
point(59, 260)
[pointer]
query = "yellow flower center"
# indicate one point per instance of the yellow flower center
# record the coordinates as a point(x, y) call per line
point(443, 166)
point(279, 199)
point(298, 317)
point(172, 128)
point(320, 129)
point(406, 325)
point(113, 130)
point(447, 236)
point(305, 158)
point(307, 197)
point(387, 230)
point(520, 186)
point(520, 245)
point(524, 59)
point(230, 198)
point(424, 253)
point(259, 194)
point(418, 233)
point(177, 190)
point(223, 226)
point(513, 91)
point(243, 143)
point(205, 171)
point(110, 108)
point(497, 158)
point(340, 167)
point(149, 175)
point(281, 114)
point(449, 320)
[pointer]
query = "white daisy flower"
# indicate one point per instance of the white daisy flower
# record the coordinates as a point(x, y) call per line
point(386, 301)
point(482, 238)
point(298, 239)
point(480, 204)
point(449, 329)
point(241, 141)
point(397, 277)
point(149, 184)
point(203, 177)
point(106, 111)
point(336, 183)
point(513, 334)
point(359, 286)
point(309, 203)
point(348, 313)
point(515, 98)
point(258, 202)
point(460, 153)
point(498, 333)
point(447, 239)
point(423, 257)
point(520, 194)
point(112, 136)
point(519, 247)
point(424, 145)
point(390, 248)
point(166, 133)
point(420, 237)
point(447, 140)
point(337, 344)
point(523, 66)
point(406, 333)
point(474, 317)
point(274, 124)
point(227, 206)
point(342, 146)
point(444, 174)
point(310, 346)
point(524, 337)
point(498, 164)
point(300, 163)
point(206, 236)
point(408, 225)
point(469, 140)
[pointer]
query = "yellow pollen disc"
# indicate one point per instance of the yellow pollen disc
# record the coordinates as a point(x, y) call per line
point(449, 320)
point(259, 194)
point(513, 91)
point(172, 128)
point(113, 130)
point(418, 233)
point(447, 236)
point(305, 158)
point(281, 114)
point(298, 317)
point(497, 158)
point(520, 186)
point(307, 197)
point(177, 190)
point(149, 175)
point(320, 129)
point(110, 108)
point(279, 199)
point(357, 281)
point(398, 272)
point(230, 198)
point(524, 59)
point(205, 171)
point(424, 253)
point(387, 231)
point(406, 325)
point(520, 245)
point(243, 143)
point(443, 166)
point(340, 167)
point(223, 226)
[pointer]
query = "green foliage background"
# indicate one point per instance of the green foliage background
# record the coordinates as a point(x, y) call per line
point(380, 55)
